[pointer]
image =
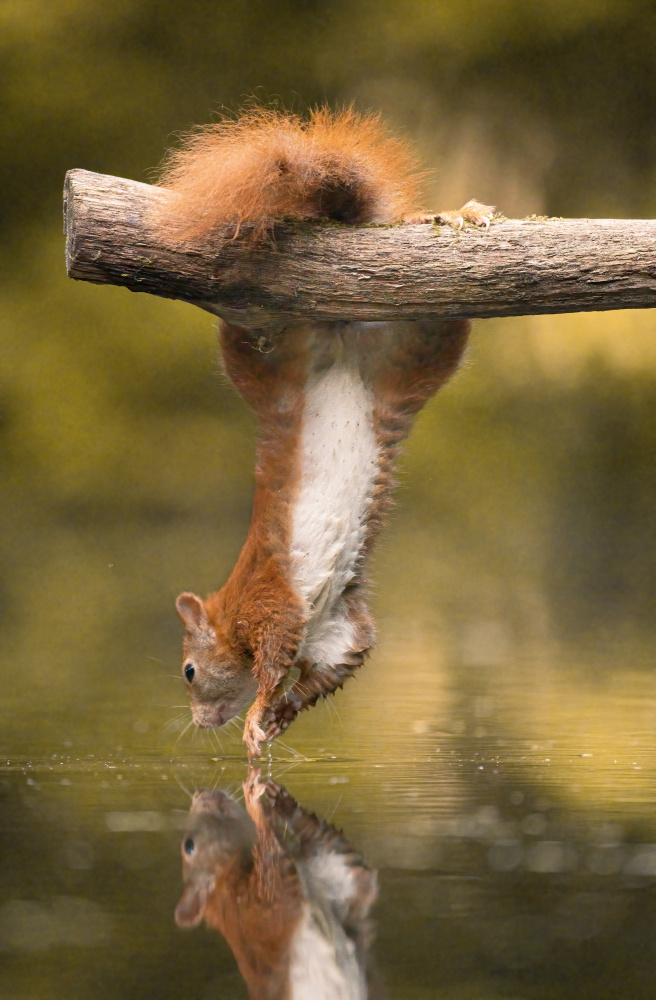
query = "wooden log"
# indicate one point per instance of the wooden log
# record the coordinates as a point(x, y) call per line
point(517, 267)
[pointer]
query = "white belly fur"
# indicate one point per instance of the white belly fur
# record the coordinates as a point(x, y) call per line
point(339, 466)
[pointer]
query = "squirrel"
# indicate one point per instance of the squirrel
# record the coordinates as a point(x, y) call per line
point(286, 890)
point(333, 402)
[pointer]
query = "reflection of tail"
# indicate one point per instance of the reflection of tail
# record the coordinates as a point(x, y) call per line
point(287, 891)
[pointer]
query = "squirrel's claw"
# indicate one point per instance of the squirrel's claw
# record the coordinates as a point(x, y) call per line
point(253, 735)
point(477, 214)
point(473, 212)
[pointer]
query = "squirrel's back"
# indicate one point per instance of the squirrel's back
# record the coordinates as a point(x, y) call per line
point(269, 164)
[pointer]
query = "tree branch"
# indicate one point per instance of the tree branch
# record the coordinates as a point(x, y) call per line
point(518, 267)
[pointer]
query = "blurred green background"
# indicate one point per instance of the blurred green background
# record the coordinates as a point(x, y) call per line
point(524, 540)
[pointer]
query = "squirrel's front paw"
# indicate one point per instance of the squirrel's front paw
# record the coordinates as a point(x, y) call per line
point(473, 212)
point(253, 734)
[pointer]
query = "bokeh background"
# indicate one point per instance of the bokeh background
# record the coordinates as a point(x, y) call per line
point(501, 737)
point(522, 556)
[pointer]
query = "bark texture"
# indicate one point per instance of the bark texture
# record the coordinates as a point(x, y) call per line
point(518, 267)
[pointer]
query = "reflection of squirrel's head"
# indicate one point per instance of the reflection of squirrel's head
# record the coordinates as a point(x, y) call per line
point(219, 836)
point(269, 164)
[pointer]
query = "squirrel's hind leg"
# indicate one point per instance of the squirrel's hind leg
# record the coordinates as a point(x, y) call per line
point(316, 681)
point(473, 212)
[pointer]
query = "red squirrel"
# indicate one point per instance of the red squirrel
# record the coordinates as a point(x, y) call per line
point(333, 402)
point(286, 890)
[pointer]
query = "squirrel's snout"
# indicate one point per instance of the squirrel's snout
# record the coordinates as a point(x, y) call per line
point(211, 716)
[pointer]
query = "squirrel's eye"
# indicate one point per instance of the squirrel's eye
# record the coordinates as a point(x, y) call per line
point(189, 672)
point(189, 845)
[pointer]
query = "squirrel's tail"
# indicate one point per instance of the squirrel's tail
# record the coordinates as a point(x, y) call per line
point(268, 164)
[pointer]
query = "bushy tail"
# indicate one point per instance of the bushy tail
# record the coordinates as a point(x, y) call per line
point(268, 164)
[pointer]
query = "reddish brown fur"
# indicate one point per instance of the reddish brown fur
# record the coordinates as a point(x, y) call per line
point(256, 617)
point(270, 165)
point(257, 601)
point(413, 365)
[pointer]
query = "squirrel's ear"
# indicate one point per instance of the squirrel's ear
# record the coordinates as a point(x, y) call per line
point(191, 906)
point(192, 612)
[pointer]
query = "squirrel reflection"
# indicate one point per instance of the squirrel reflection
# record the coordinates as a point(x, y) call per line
point(288, 893)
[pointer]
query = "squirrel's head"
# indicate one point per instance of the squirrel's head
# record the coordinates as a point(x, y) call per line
point(217, 673)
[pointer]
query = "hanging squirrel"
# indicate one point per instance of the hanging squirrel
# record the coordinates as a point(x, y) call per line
point(333, 402)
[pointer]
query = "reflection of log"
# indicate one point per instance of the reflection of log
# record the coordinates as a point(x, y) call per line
point(333, 273)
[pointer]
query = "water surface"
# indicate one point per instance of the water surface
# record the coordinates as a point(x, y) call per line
point(515, 845)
